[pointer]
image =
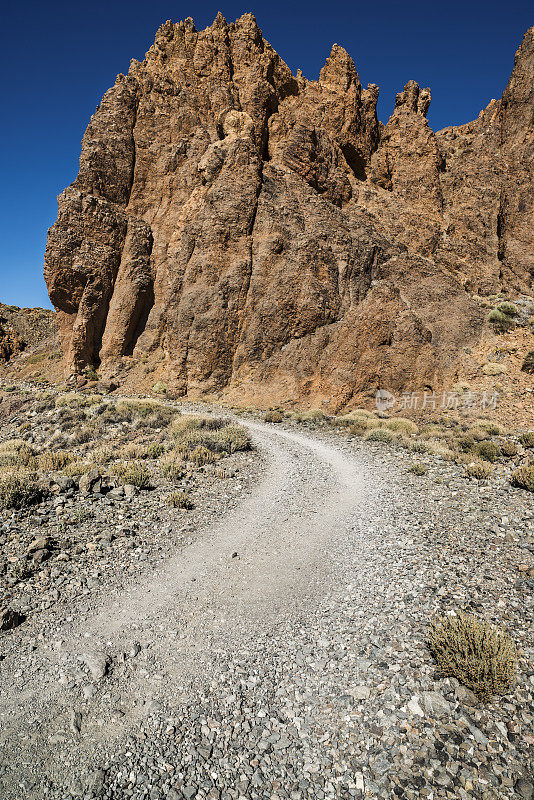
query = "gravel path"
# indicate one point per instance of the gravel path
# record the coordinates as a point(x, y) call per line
point(281, 654)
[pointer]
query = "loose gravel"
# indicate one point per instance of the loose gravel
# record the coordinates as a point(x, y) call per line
point(280, 650)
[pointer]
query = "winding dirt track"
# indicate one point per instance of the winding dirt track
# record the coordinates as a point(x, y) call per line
point(290, 535)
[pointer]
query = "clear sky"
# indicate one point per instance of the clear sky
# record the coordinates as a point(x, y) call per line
point(60, 56)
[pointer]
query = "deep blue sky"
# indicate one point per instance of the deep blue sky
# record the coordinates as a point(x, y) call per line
point(60, 56)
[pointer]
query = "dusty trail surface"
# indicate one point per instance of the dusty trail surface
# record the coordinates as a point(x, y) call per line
point(278, 655)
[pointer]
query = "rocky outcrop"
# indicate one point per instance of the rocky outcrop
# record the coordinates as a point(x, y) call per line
point(249, 231)
point(23, 328)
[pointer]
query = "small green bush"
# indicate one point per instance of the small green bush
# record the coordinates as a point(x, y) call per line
point(510, 309)
point(527, 439)
point(487, 450)
point(480, 656)
point(417, 469)
point(501, 322)
point(380, 435)
point(273, 416)
point(180, 500)
point(523, 478)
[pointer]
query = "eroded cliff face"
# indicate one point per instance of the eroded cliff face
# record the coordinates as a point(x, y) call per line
point(262, 234)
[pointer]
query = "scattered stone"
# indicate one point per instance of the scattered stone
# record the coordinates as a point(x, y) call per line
point(9, 619)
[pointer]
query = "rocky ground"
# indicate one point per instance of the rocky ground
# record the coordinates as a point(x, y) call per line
point(271, 642)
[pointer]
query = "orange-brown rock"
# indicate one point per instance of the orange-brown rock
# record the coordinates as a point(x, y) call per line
point(23, 328)
point(260, 234)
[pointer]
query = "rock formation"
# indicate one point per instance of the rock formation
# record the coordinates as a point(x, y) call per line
point(249, 231)
point(23, 328)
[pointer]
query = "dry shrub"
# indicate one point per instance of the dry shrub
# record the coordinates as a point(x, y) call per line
point(401, 425)
point(478, 470)
point(523, 478)
point(488, 451)
point(477, 433)
point(53, 461)
point(16, 453)
point(75, 469)
point(527, 439)
point(154, 450)
point(418, 447)
point(172, 468)
point(132, 451)
point(509, 449)
point(103, 455)
point(358, 427)
point(184, 424)
point(380, 435)
point(202, 455)
point(180, 500)
point(75, 400)
point(136, 474)
point(18, 488)
point(528, 363)
point(479, 655)
point(417, 469)
point(273, 416)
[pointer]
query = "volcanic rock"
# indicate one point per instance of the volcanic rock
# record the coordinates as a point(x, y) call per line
point(251, 232)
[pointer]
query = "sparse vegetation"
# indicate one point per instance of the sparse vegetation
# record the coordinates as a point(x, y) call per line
point(501, 322)
point(380, 435)
point(528, 363)
point(18, 488)
point(487, 450)
point(527, 439)
point(273, 416)
point(479, 470)
point(523, 477)
point(509, 449)
point(417, 469)
point(180, 500)
point(480, 656)
point(137, 475)
point(54, 461)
